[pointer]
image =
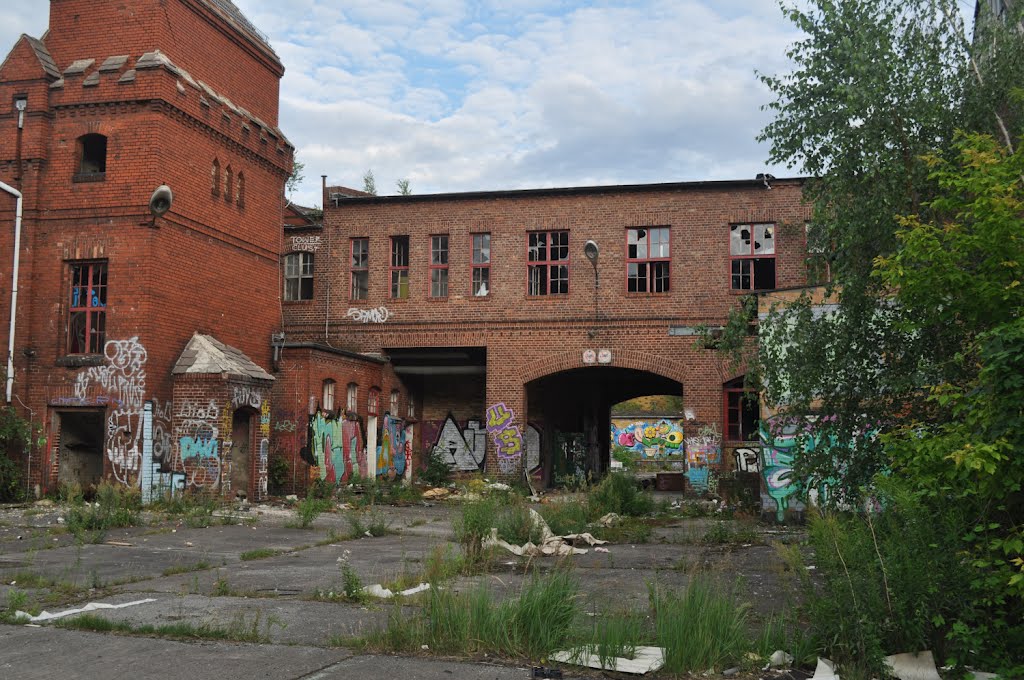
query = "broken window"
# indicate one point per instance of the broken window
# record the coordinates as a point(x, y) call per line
point(373, 401)
point(547, 253)
point(647, 260)
point(400, 267)
point(752, 253)
point(328, 401)
point(87, 320)
point(359, 269)
point(439, 266)
point(352, 398)
point(298, 276)
point(92, 158)
point(481, 265)
point(741, 411)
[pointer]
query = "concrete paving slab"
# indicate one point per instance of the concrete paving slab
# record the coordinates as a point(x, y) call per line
point(415, 668)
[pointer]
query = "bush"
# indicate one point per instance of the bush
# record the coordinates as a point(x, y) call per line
point(619, 492)
point(115, 506)
point(308, 509)
point(10, 480)
point(473, 524)
point(437, 472)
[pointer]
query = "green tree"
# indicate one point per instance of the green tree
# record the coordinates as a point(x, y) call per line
point(369, 183)
point(404, 188)
point(296, 177)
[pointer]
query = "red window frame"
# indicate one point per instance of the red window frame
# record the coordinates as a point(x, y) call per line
point(734, 407)
point(359, 268)
point(751, 265)
point(480, 279)
point(439, 265)
point(87, 308)
point(642, 266)
point(399, 267)
point(541, 264)
point(373, 401)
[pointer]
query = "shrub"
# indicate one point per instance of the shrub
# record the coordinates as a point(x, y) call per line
point(437, 472)
point(115, 506)
point(473, 524)
point(619, 492)
point(10, 480)
point(308, 509)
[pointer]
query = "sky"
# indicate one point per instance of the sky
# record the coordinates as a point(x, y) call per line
point(463, 95)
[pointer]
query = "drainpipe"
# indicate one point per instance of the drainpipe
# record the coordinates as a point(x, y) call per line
point(14, 288)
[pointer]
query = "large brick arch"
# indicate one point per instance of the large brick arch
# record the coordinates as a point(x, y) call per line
point(621, 358)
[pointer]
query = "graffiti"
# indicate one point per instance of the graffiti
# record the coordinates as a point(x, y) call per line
point(191, 413)
point(261, 469)
point(336, 447)
point(508, 440)
point(391, 450)
point(284, 426)
point(532, 448)
point(123, 380)
point(703, 450)
point(462, 449)
point(376, 315)
point(649, 439)
point(746, 460)
point(244, 395)
point(308, 243)
point(200, 456)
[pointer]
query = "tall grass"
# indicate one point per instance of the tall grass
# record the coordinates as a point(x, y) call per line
point(703, 627)
point(115, 506)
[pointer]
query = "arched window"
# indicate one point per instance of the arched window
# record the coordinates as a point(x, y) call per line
point(352, 398)
point(393, 408)
point(92, 157)
point(215, 178)
point(373, 401)
point(241, 189)
point(327, 403)
point(229, 185)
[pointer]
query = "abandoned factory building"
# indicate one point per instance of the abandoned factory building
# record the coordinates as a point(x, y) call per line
point(175, 324)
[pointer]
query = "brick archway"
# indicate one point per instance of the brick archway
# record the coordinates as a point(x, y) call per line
point(639, 361)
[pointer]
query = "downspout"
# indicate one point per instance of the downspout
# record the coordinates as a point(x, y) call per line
point(14, 288)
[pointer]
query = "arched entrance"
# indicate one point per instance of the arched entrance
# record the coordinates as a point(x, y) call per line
point(573, 411)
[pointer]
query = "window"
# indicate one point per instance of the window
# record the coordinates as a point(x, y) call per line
point(400, 267)
point(819, 267)
point(240, 188)
point(752, 250)
point(92, 158)
point(352, 398)
point(229, 184)
point(647, 260)
point(439, 266)
point(393, 408)
point(741, 412)
point(373, 401)
point(481, 265)
point(328, 400)
point(548, 269)
point(87, 323)
point(410, 408)
point(298, 276)
point(360, 268)
point(215, 178)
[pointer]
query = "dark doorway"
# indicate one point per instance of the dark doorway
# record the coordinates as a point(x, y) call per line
point(241, 451)
point(81, 448)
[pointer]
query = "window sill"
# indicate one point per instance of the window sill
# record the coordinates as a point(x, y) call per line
point(80, 360)
point(297, 302)
point(82, 177)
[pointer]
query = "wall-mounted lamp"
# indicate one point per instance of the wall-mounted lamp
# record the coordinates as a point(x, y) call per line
point(592, 250)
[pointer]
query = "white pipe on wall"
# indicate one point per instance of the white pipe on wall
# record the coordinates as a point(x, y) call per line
point(14, 288)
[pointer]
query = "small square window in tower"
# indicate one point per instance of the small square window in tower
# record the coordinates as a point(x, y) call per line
point(92, 158)
point(298, 277)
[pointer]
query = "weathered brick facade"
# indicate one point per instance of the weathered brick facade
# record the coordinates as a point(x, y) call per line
point(170, 87)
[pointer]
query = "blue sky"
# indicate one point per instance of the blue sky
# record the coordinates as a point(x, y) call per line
point(461, 95)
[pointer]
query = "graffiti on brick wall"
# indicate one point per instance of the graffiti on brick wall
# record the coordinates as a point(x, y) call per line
point(746, 459)
point(703, 456)
point(375, 315)
point(649, 439)
point(309, 244)
point(335, 447)
point(391, 449)
point(508, 439)
point(781, 442)
point(262, 462)
point(200, 428)
point(245, 395)
point(462, 449)
point(122, 378)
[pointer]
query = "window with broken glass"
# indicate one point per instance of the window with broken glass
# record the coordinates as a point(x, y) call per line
point(547, 254)
point(481, 265)
point(298, 277)
point(439, 266)
point(741, 411)
point(359, 268)
point(647, 260)
point(399, 267)
point(752, 254)
point(87, 322)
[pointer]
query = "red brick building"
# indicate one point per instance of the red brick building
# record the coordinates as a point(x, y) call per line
point(143, 343)
point(516, 319)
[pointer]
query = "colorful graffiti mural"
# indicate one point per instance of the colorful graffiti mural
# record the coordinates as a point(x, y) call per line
point(336, 447)
point(464, 448)
point(391, 456)
point(508, 440)
point(649, 439)
point(703, 456)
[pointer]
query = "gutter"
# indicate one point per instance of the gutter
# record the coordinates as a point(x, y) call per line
point(14, 288)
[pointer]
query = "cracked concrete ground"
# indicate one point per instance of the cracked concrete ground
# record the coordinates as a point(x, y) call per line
point(214, 576)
